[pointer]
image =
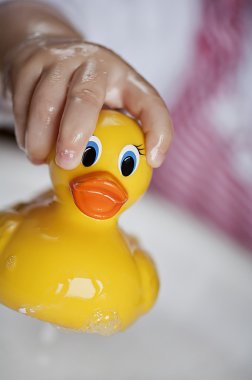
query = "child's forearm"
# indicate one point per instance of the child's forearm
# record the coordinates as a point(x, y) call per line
point(23, 20)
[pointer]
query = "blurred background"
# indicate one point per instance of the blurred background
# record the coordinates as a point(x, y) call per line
point(197, 218)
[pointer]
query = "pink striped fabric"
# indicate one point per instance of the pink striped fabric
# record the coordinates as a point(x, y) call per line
point(198, 173)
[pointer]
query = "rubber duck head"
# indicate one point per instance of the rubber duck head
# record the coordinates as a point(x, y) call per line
point(112, 174)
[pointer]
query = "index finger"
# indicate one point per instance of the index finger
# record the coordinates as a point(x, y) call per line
point(84, 102)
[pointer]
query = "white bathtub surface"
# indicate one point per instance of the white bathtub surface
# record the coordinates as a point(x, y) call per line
point(200, 328)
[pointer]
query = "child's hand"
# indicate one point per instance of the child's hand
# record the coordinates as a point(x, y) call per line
point(59, 87)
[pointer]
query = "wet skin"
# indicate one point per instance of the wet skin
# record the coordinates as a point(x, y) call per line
point(59, 82)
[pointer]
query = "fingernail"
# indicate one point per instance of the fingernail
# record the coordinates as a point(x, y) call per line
point(20, 143)
point(21, 147)
point(66, 159)
point(156, 157)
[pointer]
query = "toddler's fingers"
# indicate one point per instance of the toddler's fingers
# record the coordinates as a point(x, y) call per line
point(45, 111)
point(22, 88)
point(84, 101)
point(145, 104)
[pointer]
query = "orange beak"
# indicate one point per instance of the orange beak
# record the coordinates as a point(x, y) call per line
point(98, 195)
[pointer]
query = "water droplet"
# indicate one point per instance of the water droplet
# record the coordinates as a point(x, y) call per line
point(104, 322)
point(11, 262)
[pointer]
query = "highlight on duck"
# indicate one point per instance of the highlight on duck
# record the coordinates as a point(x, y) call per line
point(63, 257)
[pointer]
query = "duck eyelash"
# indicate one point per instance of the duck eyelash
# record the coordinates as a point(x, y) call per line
point(140, 149)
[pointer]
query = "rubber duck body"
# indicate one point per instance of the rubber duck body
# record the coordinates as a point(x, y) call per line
point(63, 258)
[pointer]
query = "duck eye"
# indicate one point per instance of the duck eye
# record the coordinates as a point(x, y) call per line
point(92, 152)
point(128, 160)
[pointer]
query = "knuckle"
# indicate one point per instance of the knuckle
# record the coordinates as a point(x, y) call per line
point(54, 73)
point(86, 96)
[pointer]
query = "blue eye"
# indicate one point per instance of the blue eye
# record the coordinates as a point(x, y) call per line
point(92, 152)
point(128, 160)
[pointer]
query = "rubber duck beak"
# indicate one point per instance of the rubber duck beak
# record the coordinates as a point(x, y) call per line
point(98, 195)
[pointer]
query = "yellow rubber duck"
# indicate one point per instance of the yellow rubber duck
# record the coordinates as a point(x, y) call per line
point(63, 258)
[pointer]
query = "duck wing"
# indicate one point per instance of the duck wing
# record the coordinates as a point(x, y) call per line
point(11, 219)
point(9, 222)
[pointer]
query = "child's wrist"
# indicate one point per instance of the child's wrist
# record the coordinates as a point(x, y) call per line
point(27, 28)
